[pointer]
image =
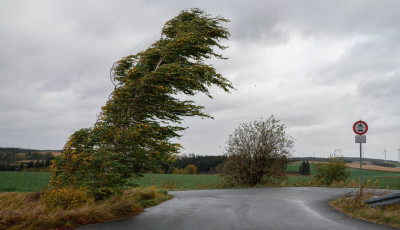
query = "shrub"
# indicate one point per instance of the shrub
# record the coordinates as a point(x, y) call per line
point(256, 150)
point(178, 171)
point(190, 169)
point(66, 198)
point(333, 170)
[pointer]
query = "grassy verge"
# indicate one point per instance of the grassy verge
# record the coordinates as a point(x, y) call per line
point(26, 211)
point(354, 207)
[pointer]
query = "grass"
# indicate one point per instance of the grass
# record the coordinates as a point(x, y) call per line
point(27, 210)
point(180, 181)
point(385, 179)
point(294, 167)
point(36, 181)
point(299, 180)
point(354, 207)
point(23, 181)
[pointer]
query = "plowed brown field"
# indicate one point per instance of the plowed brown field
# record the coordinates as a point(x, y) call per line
point(373, 167)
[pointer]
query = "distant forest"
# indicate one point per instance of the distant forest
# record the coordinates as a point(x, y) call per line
point(204, 164)
point(209, 164)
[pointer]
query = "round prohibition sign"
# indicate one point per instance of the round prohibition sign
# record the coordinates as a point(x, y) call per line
point(360, 127)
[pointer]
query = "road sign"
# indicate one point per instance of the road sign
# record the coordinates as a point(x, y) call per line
point(360, 127)
point(361, 139)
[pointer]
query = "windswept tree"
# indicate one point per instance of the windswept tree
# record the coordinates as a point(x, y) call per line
point(257, 149)
point(134, 130)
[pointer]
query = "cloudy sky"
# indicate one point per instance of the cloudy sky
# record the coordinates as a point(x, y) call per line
point(318, 66)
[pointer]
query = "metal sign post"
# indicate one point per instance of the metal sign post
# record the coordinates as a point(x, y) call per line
point(360, 170)
point(360, 128)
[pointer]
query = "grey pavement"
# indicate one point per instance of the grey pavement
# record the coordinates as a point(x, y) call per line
point(254, 208)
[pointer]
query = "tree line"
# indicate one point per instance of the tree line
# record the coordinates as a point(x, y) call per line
point(30, 166)
point(204, 164)
point(382, 163)
point(12, 155)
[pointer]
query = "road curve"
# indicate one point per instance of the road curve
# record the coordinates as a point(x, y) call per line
point(254, 208)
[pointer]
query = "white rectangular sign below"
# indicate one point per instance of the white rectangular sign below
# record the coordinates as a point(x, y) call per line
point(361, 139)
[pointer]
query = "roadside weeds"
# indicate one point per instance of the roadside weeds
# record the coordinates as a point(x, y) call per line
point(27, 211)
point(355, 207)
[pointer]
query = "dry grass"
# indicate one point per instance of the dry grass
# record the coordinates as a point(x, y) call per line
point(26, 211)
point(355, 207)
point(373, 167)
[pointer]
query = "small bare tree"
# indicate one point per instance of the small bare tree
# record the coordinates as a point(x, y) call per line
point(255, 150)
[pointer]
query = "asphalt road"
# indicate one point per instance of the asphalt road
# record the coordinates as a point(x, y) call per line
point(255, 208)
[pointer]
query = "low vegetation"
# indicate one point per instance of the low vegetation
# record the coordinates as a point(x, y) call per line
point(334, 170)
point(38, 210)
point(355, 207)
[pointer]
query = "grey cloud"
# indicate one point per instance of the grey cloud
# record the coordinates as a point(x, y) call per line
point(56, 57)
point(381, 87)
point(273, 21)
point(368, 59)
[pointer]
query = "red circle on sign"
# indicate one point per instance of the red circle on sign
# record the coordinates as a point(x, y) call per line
point(360, 133)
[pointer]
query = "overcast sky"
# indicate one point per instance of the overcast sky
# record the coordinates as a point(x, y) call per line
point(318, 66)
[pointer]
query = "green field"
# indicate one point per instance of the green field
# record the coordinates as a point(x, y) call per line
point(35, 181)
point(23, 181)
point(180, 181)
point(294, 167)
point(386, 179)
point(390, 179)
